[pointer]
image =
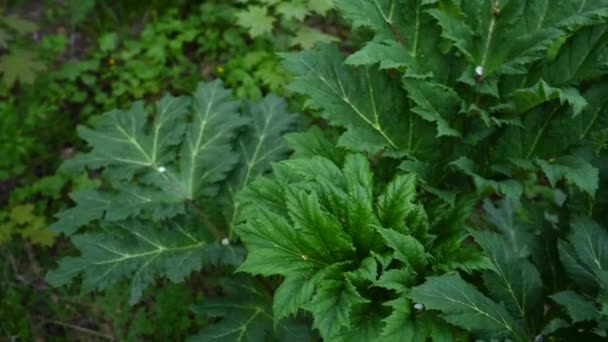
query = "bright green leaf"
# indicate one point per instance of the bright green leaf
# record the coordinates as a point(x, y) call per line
point(256, 20)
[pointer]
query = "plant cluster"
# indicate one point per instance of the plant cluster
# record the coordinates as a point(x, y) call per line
point(171, 53)
point(456, 192)
point(286, 18)
point(167, 203)
point(17, 63)
point(483, 98)
point(124, 51)
point(39, 118)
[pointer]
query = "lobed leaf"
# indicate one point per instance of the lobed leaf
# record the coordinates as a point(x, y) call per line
point(463, 305)
point(332, 305)
point(133, 252)
point(364, 102)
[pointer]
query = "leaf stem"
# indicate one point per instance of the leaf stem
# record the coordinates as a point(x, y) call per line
point(77, 328)
point(486, 50)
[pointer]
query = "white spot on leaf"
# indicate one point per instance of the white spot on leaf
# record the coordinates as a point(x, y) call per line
point(479, 70)
point(225, 242)
point(162, 169)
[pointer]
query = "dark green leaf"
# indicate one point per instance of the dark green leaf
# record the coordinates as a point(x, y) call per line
point(132, 252)
point(463, 305)
point(577, 306)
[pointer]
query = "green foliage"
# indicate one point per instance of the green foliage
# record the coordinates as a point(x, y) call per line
point(163, 314)
point(478, 100)
point(170, 53)
point(471, 106)
point(124, 52)
point(253, 72)
point(263, 17)
point(23, 221)
point(246, 315)
point(454, 189)
point(19, 65)
point(347, 248)
point(167, 202)
point(517, 301)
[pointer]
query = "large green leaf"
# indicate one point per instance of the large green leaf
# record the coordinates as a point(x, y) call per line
point(145, 164)
point(464, 306)
point(407, 249)
point(395, 202)
point(368, 104)
point(498, 37)
point(311, 143)
point(123, 141)
point(404, 35)
point(580, 58)
point(435, 103)
point(358, 203)
point(207, 155)
point(129, 201)
point(585, 254)
point(509, 188)
point(528, 98)
point(535, 138)
point(514, 281)
point(573, 169)
point(577, 306)
point(320, 233)
point(403, 325)
point(297, 290)
point(503, 216)
point(135, 252)
point(90, 205)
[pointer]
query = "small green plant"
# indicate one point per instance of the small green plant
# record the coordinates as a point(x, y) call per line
point(171, 53)
point(23, 220)
point(17, 63)
point(262, 17)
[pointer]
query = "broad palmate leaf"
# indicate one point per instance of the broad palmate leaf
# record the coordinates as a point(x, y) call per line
point(158, 210)
point(181, 156)
point(463, 305)
point(132, 251)
point(365, 102)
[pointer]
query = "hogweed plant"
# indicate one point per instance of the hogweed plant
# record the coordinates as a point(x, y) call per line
point(463, 199)
point(475, 99)
point(168, 202)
